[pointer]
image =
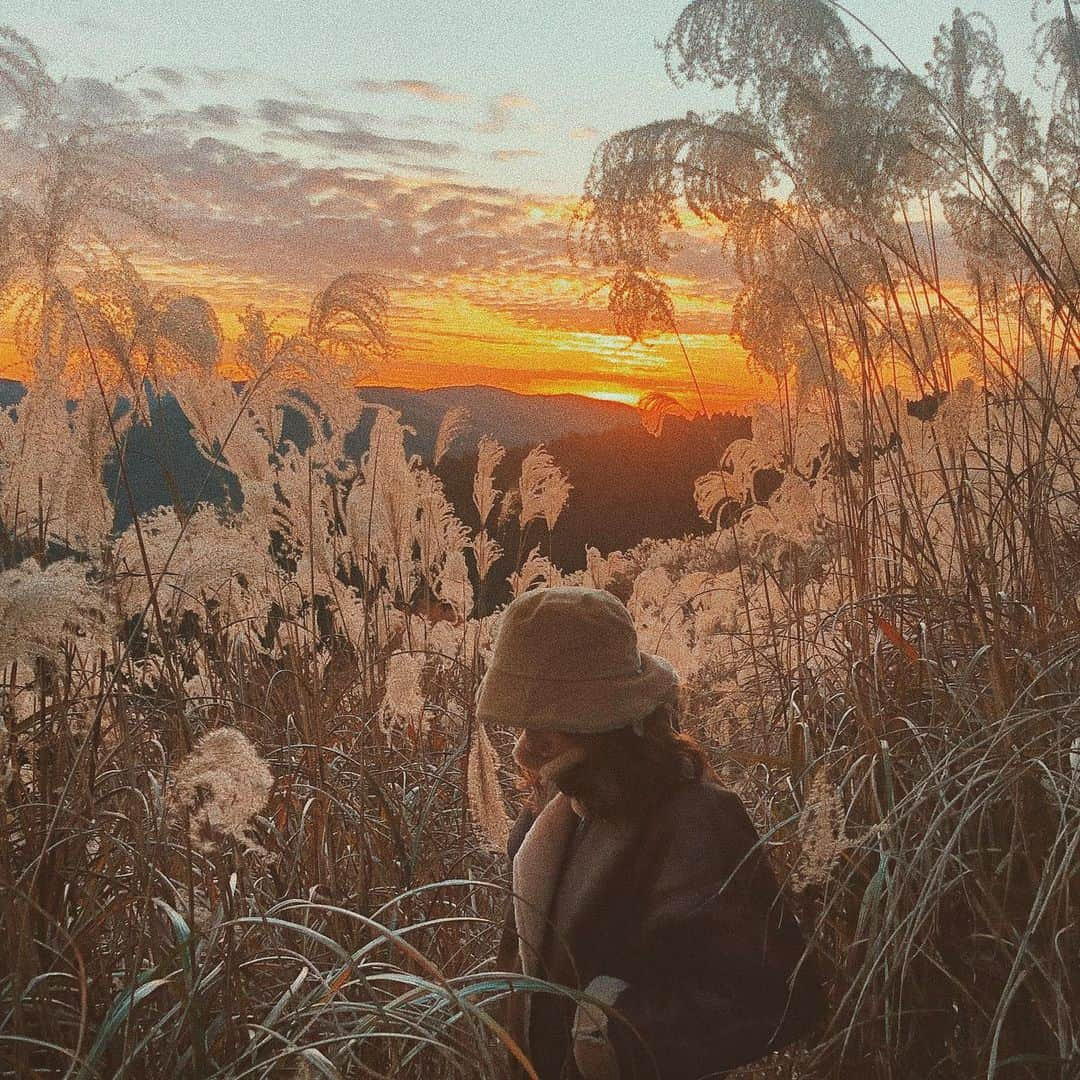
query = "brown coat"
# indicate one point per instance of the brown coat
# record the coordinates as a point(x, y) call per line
point(676, 921)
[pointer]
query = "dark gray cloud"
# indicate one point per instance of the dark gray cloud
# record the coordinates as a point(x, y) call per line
point(263, 213)
point(291, 113)
point(351, 131)
point(359, 141)
point(222, 77)
point(427, 168)
point(226, 116)
point(501, 111)
point(94, 102)
point(214, 116)
point(170, 77)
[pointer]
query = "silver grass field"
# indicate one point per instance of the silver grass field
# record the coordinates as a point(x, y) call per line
point(249, 824)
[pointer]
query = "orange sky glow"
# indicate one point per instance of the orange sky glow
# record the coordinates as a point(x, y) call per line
point(533, 331)
point(530, 333)
point(443, 151)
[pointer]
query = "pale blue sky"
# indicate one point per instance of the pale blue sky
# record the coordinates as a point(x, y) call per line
point(580, 65)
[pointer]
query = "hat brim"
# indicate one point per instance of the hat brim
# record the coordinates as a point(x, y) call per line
point(585, 706)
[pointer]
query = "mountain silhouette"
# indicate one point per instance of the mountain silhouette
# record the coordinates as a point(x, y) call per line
point(627, 484)
point(511, 418)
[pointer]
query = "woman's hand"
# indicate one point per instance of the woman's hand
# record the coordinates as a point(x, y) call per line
point(593, 1053)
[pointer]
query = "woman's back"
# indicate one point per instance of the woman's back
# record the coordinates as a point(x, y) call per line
point(681, 912)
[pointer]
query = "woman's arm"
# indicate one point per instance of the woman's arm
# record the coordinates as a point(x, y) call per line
point(718, 948)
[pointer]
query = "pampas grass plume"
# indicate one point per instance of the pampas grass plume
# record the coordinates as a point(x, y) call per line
point(484, 794)
point(222, 784)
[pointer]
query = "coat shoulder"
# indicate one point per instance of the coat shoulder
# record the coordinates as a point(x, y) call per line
point(714, 899)
point(698, 840)
point(704, 804)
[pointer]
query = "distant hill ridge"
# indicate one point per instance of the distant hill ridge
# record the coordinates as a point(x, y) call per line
point(627, 484)
point(513, 419)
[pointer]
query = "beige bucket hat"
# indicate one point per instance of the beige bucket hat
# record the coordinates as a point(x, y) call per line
point(566, 658)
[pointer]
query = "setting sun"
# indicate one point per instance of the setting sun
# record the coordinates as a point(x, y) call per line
point(612, 395)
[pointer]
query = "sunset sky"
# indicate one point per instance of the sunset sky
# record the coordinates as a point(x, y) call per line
point(439, 145)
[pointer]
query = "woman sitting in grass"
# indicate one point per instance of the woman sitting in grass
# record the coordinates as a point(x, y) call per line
point(638, 880)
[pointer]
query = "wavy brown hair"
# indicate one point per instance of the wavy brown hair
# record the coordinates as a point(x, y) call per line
point(624, 774)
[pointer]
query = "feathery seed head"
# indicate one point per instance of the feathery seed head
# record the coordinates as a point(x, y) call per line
point(221, 784)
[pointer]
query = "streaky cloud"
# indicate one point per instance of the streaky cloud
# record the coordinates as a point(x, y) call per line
point(421, 88)
point(501, 112)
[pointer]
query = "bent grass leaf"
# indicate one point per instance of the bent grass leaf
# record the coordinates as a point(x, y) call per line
point(123, 1005)
point(907, 650)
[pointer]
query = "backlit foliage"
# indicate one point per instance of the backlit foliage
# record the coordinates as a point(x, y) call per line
point(893, 588)
point(250, 825)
